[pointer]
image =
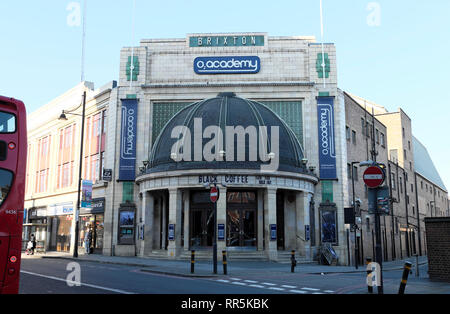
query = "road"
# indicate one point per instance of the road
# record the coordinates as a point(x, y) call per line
point(48, 276)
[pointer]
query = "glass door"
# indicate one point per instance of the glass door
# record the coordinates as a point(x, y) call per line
point(202, 227)
point(241, 228)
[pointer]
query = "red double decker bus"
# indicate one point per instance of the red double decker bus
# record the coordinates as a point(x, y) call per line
point(13, 156)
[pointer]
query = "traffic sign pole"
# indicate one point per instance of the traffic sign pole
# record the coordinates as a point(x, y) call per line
point(214, 195)
point(374, 177)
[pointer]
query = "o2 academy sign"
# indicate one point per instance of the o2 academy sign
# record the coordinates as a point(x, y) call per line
point(227, 65)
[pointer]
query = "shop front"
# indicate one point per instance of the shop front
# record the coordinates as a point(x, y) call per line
point(92, 219)
point(59, 219)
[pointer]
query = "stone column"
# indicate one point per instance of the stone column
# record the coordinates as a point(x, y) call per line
point(302, 212)
point(270, 218)
point(175, 200)
point(221, 219)
point(260, 223)
point(164, 221)
point(187, 203)
point(148, 204)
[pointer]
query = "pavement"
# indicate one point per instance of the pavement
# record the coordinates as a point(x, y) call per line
point(235, 268)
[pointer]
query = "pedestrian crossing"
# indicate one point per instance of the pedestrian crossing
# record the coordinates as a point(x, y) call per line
point(273, 286)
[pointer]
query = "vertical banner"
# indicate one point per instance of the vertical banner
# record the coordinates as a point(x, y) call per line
point(86, 194)
point(127, 166)
point(327, 145)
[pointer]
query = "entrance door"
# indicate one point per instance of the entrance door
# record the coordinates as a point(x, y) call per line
point(202, 227)
point(241, 228)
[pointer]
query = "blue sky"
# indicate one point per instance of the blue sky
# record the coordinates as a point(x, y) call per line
point(401, 62)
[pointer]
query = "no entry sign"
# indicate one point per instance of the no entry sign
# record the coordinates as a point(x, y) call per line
point(214, 194)
point(374, 177)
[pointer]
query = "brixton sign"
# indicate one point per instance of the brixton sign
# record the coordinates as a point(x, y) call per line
point(374, 177)
point(226, 41)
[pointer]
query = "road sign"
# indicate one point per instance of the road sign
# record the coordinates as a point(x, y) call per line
point(374, 177)
point(214, 194)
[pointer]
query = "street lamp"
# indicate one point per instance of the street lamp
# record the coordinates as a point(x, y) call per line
point(77, 210)
point(354, 212)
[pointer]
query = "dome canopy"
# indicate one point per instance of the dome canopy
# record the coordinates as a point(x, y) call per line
point(226, 110)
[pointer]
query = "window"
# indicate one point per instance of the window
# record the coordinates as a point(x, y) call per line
point(347, 133)
point(363, 126)
point(404, 154)
point(127, 225)
point(6, 178)
point(354, 137)
point(412, 188)
point(355, 173)
point(368, 224)
point(42, 165)
point(403, 132)
point(421, 185)
point(410, 165)
point(383, 140)
point(7, 122)
point(349, 171)
point(329, 227)
point(95, 147)
point(66, 157)
point(377, 136)
point(400, 185)
point(393, 181)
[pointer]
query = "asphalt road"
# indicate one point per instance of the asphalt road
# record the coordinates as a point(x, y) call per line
point(48, 276)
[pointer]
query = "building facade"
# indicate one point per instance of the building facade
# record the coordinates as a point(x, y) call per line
point(158, 140)
point(54, 163)
point(416, 189)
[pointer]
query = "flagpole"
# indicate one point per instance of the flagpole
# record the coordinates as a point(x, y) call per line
point(83, 44)
point(323, 48)
point(132, 44)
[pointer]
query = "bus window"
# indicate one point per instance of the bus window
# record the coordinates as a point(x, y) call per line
point(6, 178)
point(7, 122)
point(3, 151)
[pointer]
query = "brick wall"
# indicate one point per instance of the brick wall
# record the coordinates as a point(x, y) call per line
point(438, 242)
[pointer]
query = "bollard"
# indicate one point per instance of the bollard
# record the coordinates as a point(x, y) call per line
point(224, 255)
point(406, 271)
point(369, 271)
point(417, 265)
point(192, 261)
point(293, 262)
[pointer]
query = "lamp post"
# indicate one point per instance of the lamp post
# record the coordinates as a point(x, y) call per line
point(77, 209)
point(354, 212)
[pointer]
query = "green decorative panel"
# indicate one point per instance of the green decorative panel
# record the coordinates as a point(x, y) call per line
point(291, 113)
point(135, 68)
point(128, 192)
point(319, 66)
point(131, 96)
point(162, 113)
point(327, 191)
point(324, 94)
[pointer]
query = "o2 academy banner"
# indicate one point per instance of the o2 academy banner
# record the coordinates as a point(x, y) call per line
point(327, 147)
point(127, 166)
